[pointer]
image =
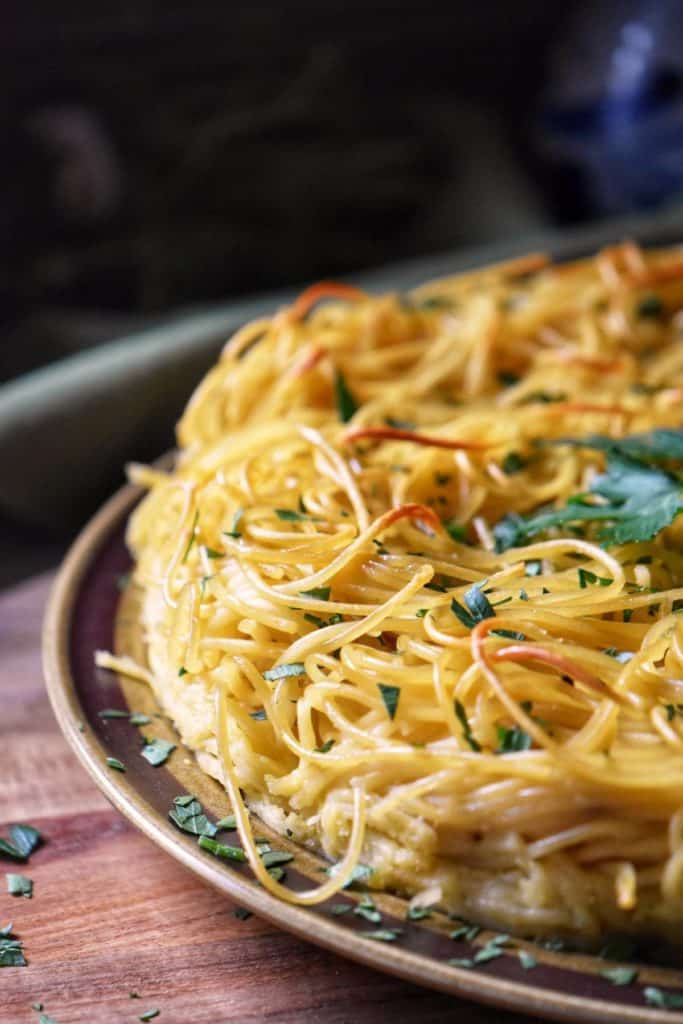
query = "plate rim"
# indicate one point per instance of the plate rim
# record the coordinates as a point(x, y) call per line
point(487, 989)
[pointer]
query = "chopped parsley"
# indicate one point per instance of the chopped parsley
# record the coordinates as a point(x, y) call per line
point(523, 596)
point(508, 634)
point(421, 612)
point(235, 531)
point(137, 718)
point(259, 715)
point(390, 696)
point(325, 747)
point(337, 909)
point(320, 593)
point(492, 950)
point(229, 822)
point(360, 874)
point(620, 975)
point(383, 934)
point(513, 463)
point(113, 762)
point(461, 715)
point(455, 530)
point(157, 751)
point(527, 960)
point(149, 1014)
point(212, 553)
point(512, 741)
point(663, 999)
point(460, 961)
point(113, 713)
point(274, 858)
point(477, 608)
point(367, 910)
point(25, 839)
point(19, 885)
point(399, 424)
point(441, 479)
point(587, 577)
point(187, 815)
point(638, 499)
point(241, 913)
point(11, 951)
point(221, 850)
point(672, 710)
point(418, 913)
point(182, 671)
point(193, 535)
point(650, 307)
point(346, 404)
point(290, 515)
point(294, 668)
point(533, 567)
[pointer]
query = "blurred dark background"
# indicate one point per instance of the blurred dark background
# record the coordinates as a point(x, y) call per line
point(161, 158)
point(157, 156)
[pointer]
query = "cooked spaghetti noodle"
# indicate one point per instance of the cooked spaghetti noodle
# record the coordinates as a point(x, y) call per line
point(340, 626)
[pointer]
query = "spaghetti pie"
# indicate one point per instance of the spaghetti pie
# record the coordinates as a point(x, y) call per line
point(411, 591)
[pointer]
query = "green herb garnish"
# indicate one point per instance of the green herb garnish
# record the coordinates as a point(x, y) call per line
point(118, 766)
point(187, 814)
point(346, 404)
point(24, 838)
point(511, 741)
point(526, 960)
point(367, 910)
point(192, 535)
point(390, 696)
point(228, 822)
point(157, 751)
point(273, 858)
point(325, 747)
point(639, 499)
point(508, 634)
point(149, 1014)
point(620, 975)
point(513, 463)
point(19, 885)
point(182, 671)
point(383, 934)
point(235, 532)
point(221, 850)
point(455, 530)
point(113, 713)
point(478, 607)
point(11, 952)
point(290, 515)
point(587, 577)
point(137, 718)
point(241, 914)
point(259, 715)
point(650, 307)
point(320, 593)
point(461, 715)
point(418, 913)
point(664, 1000)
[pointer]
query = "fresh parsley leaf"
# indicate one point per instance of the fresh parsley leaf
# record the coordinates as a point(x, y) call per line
point(662, 445)
point(663, 999)
point(526, 960)
point(182, 671)
point(390, 696)
point(8, 849)
point(455, 530)
point(187, 814)
point(620, 975)
point(508, 634)
point(149, 1014)
point(460, 961)
point(418, 913)
point(290, 515)
point(259, 715)
point(533, 567)
point(123, 581)
point(346, 404)
point(234, 531)
point(399, 424)
point(586, 577)
point(478, 607)
point(337, 909)
point(461, 715)
point(523, 596)
point(19, 885)
point(137, 718)
point(650, 307)
point(320, 593)
point(511, 741)
point(274, 858)
point(25, 838)
point(325, 747)
point(113, 762)
point(640, 500)
point(360, 874)
point(212, 553)
point(11, 949)
point(367, 910)
point(513, 463)
point(421, 612)
point(383, 934)
point(229, 822)
point(112, 713)
point(294, 668)
point(157, 751)
point(193, 535)
point(221, 850)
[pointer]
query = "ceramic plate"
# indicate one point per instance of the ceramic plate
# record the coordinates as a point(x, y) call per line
point(90, 609)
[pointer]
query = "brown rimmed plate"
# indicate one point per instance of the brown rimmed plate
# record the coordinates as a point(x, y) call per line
point(89, 609)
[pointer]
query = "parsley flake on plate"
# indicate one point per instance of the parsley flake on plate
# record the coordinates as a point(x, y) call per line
point(390, 695)
point(19, 885)
point(157, 751)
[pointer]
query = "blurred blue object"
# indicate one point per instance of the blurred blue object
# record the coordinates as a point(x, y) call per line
point(611, 120)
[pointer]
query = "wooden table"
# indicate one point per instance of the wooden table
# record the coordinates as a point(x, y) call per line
point(112, 914)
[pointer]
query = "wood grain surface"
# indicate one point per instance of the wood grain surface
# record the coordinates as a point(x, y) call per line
point(112, 914)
